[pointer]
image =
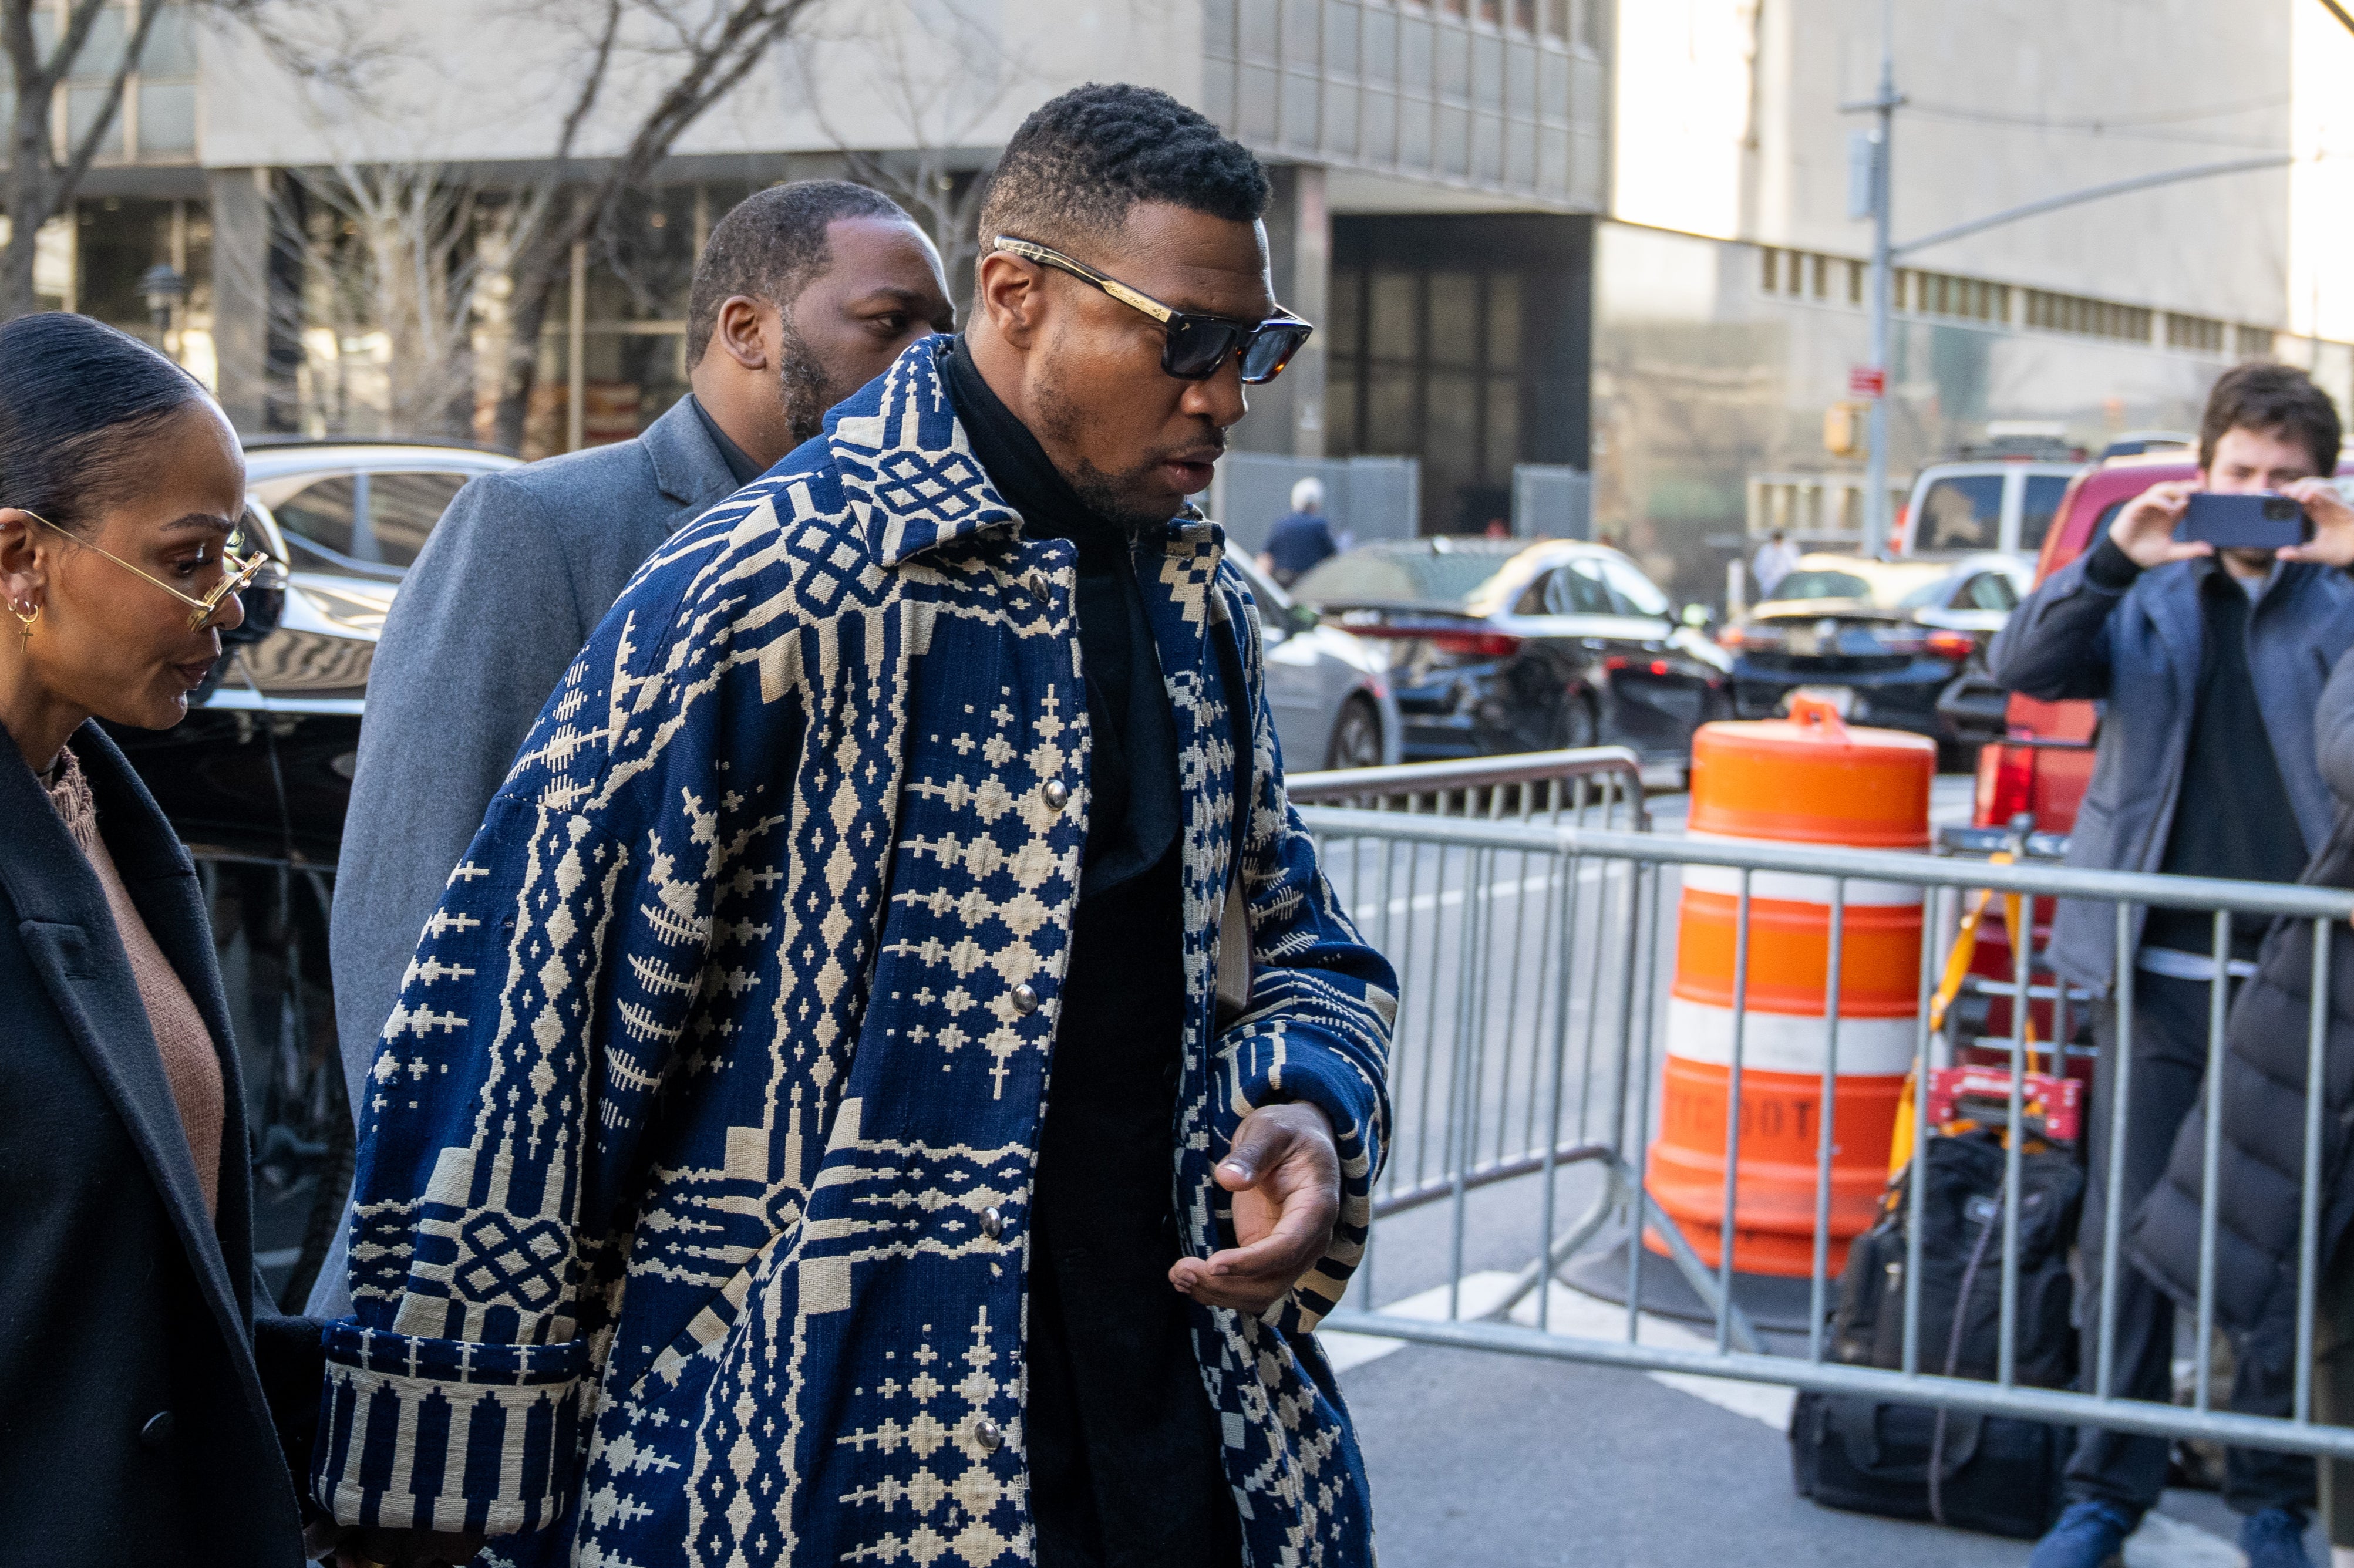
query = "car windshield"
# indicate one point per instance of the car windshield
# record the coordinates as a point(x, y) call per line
point(1963, 512)
point(1886, 587)
point(1823, 585)
point(1419, 577)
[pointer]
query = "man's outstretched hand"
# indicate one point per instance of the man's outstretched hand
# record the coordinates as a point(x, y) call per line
point(1284, 1170)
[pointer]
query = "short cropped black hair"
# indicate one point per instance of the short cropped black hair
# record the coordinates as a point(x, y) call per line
point(76, 398)
point(2276, 399)
point(770, 246)
point(1080, 163)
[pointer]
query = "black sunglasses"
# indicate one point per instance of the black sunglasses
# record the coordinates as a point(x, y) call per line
point(1196, 344)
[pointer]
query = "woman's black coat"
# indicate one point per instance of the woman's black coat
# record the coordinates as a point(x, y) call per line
point(2260, 1171)
point(134, 1425)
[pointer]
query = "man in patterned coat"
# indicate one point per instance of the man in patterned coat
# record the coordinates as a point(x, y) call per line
point(808, 1132)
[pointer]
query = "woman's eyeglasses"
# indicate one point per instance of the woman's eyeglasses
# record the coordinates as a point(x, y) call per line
point(238, 572)
point(1196, 344)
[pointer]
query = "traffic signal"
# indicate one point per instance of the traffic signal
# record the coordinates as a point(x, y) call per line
point(1843, 429)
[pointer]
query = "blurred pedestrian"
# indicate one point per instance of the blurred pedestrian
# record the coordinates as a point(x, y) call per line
point(1301, 538)
point(2211, 665)
point(715, 1138)
point(139, 1360)
point(804, 293)
point(1775, 560)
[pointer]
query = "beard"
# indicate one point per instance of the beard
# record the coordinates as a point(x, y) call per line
point(802, 387)
point(1114, 496)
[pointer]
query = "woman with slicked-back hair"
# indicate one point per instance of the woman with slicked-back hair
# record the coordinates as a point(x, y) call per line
point(135, 1415)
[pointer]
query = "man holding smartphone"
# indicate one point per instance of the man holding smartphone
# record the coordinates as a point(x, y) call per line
point(2209, 663)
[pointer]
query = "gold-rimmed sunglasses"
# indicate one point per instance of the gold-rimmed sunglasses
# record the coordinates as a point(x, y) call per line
point(1196, 344)
point(238, 571)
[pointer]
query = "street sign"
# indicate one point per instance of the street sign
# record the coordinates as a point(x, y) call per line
point(1867, 381)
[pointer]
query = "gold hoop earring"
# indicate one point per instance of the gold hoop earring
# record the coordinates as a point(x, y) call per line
point(25, 636)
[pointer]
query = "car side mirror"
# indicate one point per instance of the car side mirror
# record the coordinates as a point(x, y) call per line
point(1696, 615)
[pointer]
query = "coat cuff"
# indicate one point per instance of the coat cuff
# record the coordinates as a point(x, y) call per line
point(1271, 1065)
point(2108, 566)
point(441, 1434)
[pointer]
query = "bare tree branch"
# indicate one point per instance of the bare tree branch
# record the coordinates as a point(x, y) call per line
point(77, 162)
point(703, 60)
point(304, 36)
point(942, 79)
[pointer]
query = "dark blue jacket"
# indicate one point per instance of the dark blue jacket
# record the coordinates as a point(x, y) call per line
point(1299, 542)
point(2136, 651)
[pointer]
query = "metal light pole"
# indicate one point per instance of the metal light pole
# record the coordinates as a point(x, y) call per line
point(1877, 183)
point(1875, 474)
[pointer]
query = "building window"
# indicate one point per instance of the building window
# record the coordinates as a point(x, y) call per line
point(1447, 344)
point(157, 120)
point(2092, 318)
point(2251, 343)
point(2202, 335)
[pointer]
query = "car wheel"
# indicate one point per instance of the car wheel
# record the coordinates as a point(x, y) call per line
point(1356, 737)
point(1575, 727)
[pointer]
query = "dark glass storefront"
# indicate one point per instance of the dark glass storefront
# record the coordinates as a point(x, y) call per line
point(1465, 342)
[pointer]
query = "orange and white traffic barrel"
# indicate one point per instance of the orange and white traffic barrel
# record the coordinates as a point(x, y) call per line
point(1810, 779)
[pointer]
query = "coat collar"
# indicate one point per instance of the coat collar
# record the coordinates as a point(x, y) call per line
point(72, 941)
point(687, 467)
point(904, 465)
point(2171, 597)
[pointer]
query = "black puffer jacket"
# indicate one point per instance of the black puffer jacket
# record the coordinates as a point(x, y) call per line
point(2261, 1174)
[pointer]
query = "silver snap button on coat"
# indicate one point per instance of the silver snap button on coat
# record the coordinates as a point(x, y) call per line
point(1058, 794)
point(1025, 1001)
point(985, 1432)
point(993, 1223)
point(158, 1430)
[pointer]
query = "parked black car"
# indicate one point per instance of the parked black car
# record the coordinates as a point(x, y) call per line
point(256, 781)
point(1896, 643)
point(1505, 645)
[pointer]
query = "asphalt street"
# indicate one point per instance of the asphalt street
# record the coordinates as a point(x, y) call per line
point(1509, 1461)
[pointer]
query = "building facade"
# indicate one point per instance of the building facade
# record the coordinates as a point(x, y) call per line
point(1605, 238)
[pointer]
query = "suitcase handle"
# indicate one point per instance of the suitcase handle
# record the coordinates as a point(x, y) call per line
point(1857, 1424)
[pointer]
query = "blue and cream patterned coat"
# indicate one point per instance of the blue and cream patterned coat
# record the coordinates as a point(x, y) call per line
point(691, 1219)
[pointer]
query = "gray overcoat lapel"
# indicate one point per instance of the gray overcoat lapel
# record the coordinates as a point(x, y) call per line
point(687, 467)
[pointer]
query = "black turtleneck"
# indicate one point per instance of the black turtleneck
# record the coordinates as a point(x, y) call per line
point(740, 466)
point(1123, 1445)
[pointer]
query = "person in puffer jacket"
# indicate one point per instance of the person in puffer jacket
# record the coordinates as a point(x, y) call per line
point(2262, 1172)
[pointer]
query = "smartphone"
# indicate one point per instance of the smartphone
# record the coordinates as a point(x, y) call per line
point(2258, 522)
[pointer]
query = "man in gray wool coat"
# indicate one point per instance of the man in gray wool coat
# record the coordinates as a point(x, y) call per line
point(804, 293)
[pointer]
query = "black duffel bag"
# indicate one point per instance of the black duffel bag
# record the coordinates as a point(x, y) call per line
point(1993, 1473)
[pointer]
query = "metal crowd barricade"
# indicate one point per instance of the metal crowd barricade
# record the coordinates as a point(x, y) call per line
point(1531, 948)
point(1470, 1149)
point(1598, 785)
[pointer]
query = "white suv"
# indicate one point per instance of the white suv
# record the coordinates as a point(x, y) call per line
point(1960, 509)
